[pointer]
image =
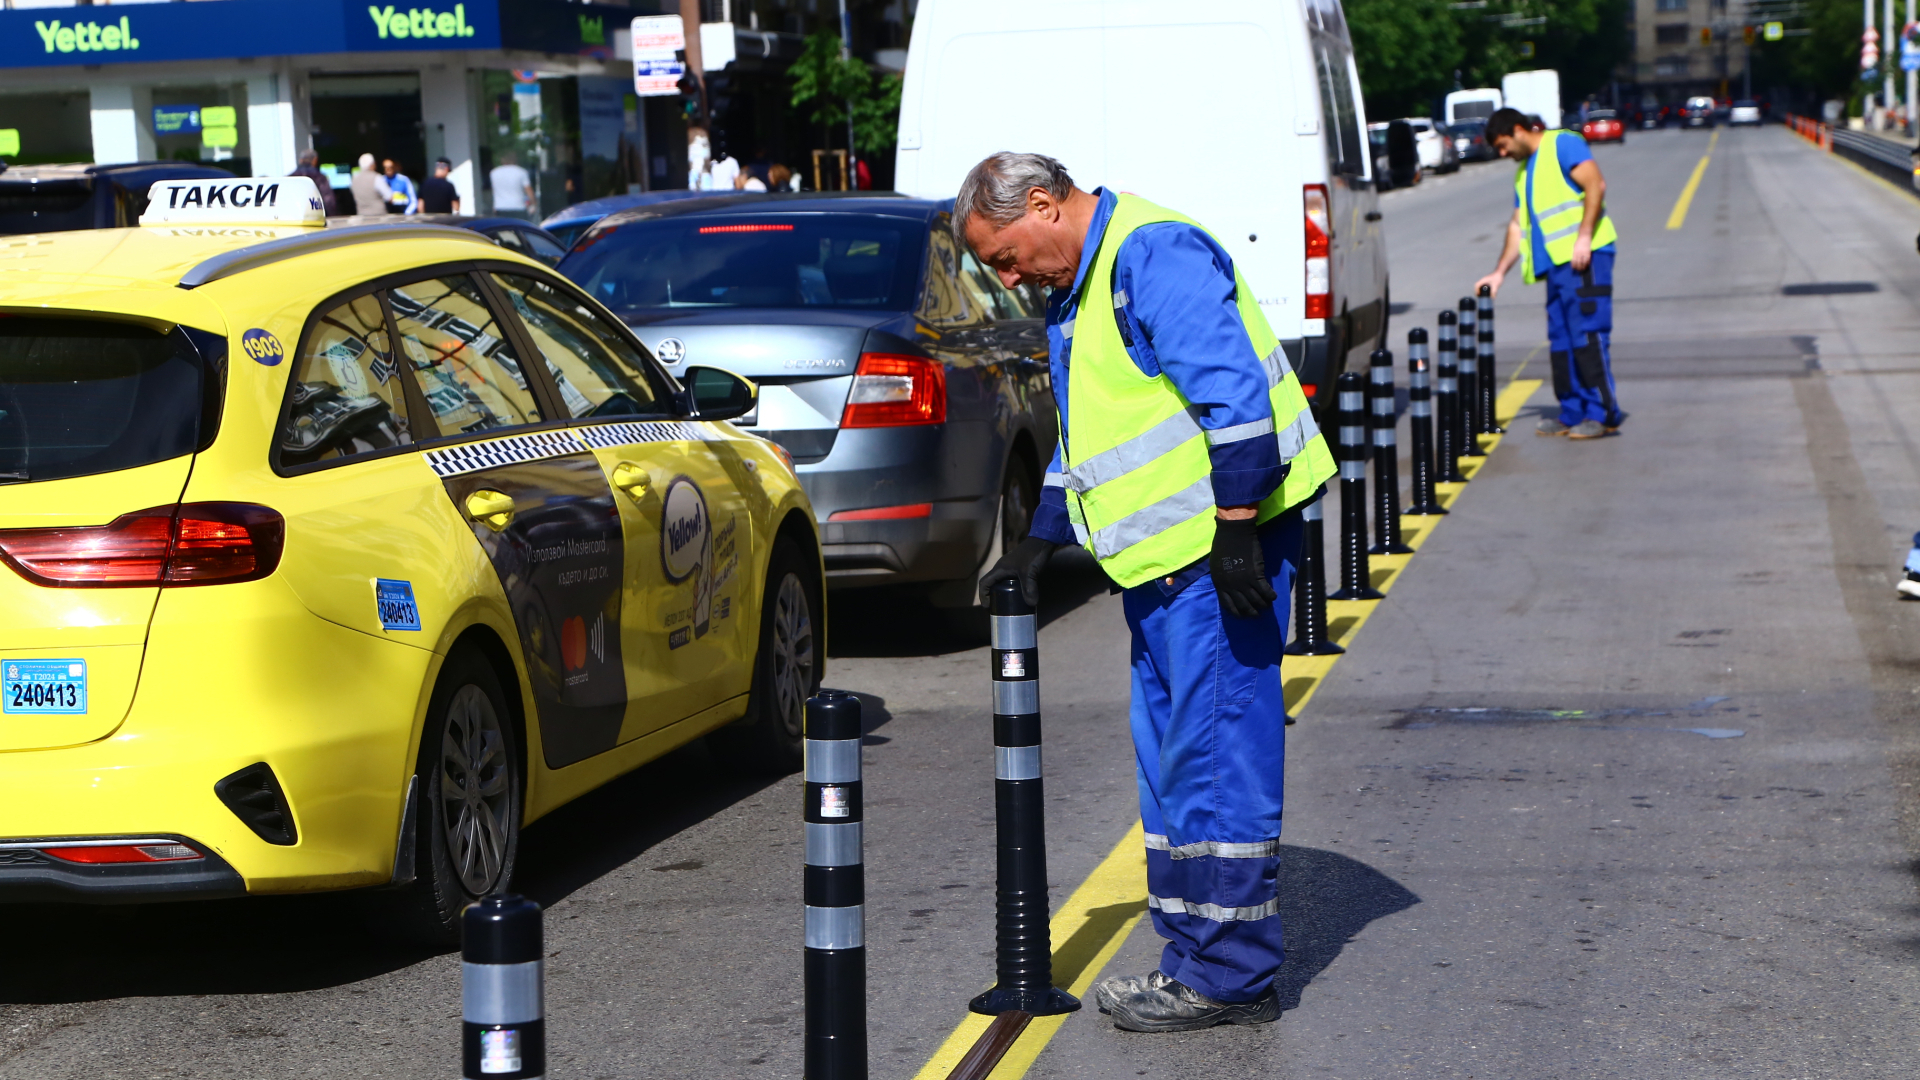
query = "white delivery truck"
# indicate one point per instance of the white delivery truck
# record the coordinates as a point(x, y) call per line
point(1536, 93)
point(1275, 163)
point(1477, 104)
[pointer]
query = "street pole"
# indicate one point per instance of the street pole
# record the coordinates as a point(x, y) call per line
point(1887, 69)
point(1913, 77)
point(846, 53)
point(1866, 101)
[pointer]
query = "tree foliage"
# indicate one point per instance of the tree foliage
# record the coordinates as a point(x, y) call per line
point(1408, 50)
point(833, 86)
point(1825, 62)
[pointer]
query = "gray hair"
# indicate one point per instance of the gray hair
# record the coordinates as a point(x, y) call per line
point(997, 189)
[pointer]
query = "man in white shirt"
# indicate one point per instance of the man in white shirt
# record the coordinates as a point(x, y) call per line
point(369, 188)
point(512, 188)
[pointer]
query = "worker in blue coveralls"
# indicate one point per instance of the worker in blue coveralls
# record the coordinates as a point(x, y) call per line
point(1560, 231)
point(1186, 450)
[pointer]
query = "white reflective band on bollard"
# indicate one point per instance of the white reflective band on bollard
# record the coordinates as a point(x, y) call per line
point(836, 927)
point(1014, 632)
point(1353, 470)
point(1016, 698)
point(1016, 763)
point(833, 761)
point(835, 844)
point(500, 993)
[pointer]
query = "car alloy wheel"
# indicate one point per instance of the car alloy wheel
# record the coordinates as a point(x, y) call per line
point(476, 789)
point(792, 652)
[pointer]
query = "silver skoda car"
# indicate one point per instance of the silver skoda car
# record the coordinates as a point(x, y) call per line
point(910, 387)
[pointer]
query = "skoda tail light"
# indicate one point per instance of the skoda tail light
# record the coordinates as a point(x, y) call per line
point(891, 390)
point(188, 544)
point(1319, 251)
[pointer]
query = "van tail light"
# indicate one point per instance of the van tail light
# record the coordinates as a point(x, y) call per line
point(891, 390)
point(1319, 252)
point(186, 544)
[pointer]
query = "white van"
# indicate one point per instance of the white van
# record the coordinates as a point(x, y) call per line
point(1273, 160)
point(1475, 104)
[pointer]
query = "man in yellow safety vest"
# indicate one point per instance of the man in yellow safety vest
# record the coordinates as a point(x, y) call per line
point(1186, 450)
point(1561, 232)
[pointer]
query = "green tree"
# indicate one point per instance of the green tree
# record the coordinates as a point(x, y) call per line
point(1825, 61)
point(1406, 51)
point(833, 86)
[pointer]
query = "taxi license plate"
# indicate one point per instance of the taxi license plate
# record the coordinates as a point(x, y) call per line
point(43, 686)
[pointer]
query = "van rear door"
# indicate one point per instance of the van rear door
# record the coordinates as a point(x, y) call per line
point(99, 422)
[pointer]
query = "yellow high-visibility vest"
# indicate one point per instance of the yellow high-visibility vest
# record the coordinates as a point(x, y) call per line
point(1136, 468)
point(1556, 204)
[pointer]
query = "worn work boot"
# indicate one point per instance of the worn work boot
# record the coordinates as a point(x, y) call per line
point(1909, 588)
point(1178, 1007)
point(1588, 429)
point(1115, 987)
point(1549, 426)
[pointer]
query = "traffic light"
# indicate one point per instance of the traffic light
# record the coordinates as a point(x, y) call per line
point(1746, 34)
point(1706, 35)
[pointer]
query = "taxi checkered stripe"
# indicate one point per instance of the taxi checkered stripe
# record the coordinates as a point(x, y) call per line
point(472, 457)
point(608, 436)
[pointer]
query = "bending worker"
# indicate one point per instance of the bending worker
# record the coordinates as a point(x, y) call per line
point(1186, 449)
point(1560, 231)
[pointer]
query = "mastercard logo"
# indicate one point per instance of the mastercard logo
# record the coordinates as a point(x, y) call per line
point(573, 643)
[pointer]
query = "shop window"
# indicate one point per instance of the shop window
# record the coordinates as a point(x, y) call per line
point(201, 122)
point(344, 399)
point(1675, 34)
point(466, 368)
point(52, 127)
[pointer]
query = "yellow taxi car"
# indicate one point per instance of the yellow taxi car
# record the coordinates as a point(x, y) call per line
point(333, 556)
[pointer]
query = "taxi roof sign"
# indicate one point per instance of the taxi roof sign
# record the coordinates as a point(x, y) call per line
point(263, 200)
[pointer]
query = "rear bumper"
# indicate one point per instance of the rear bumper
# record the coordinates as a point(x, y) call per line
point(28, 876)
point(871, 468)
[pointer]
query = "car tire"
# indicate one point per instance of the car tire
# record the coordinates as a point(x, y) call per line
point(786, 671)
point(467, 818)
point(1019, 499)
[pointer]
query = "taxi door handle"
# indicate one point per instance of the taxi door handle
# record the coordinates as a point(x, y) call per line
point(490, 508)
point(631, 479)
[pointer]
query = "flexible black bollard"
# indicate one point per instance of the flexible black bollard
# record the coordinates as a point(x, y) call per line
point(1469, 414)
point(1489, 391)
point(1386, 457)
point(1420, 422)
point(1446, 395)
point(1023, 957)
point(1310, 586)
point(834, 890)
point(504, 1036)
point(1356, 570)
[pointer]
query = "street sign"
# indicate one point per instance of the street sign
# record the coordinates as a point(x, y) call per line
point(1775, 31)
point(1909, 56)
point(657, 67)
point(176, 119)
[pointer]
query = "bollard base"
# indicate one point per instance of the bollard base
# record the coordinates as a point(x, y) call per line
point(1367, 593)
point(1325, 648)
point(1425, 510)
point(1391, 549)
point(1053, 1001)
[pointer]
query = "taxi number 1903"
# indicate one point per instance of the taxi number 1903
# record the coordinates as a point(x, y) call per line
point(43, 686)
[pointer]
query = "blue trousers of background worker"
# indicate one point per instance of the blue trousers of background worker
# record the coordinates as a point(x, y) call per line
point(1579, 323)
point(1209, 735)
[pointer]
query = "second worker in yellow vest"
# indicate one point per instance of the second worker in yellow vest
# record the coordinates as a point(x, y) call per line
point(1560, 233)
point(1186, 449)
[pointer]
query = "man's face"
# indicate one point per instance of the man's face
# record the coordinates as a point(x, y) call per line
point(388, 167)
point(1512, 146)
point(1034, 250)
point(440, 171)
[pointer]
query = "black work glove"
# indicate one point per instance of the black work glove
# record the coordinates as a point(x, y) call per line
point(1023, 564)
point(1239, 569)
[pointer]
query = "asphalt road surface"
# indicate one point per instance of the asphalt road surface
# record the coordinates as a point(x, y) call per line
point(1523, 838)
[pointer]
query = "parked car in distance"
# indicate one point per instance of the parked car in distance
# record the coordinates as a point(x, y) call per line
point(1603, 125)
point(60, 198)
point(910, 387)
point(1744, 111)
point(510, 233)
point(1396, 155)
point(1436, 150)
point(1697, 112)
point(1470, 141)
point(570, 224)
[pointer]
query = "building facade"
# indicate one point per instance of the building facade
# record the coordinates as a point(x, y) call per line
point(1683, 48)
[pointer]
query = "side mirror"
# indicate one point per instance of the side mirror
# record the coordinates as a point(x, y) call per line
point(719, 394)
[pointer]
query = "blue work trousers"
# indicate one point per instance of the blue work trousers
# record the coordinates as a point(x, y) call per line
point(1209, 736)
point(1579, 324)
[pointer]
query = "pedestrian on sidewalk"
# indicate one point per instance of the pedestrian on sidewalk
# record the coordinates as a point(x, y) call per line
point(369, 188)
point(1154, 342)
point(1560, 231)
point(309, 167)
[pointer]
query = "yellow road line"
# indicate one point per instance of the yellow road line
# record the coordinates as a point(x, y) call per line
point(1679, 215)
point(1100, 914)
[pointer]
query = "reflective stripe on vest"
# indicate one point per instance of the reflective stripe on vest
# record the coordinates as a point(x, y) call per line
point(1559, 220)
point(1142, 498)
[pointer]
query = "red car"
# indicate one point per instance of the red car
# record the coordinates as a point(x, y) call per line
point(1604, 125)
